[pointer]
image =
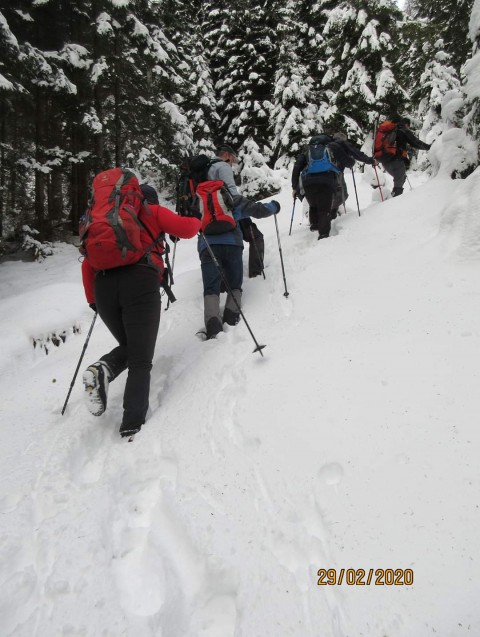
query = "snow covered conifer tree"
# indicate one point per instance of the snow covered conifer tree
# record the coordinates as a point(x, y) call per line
point(295, 115)
point(246, 53)
point(438, 79)
point(198, 95)
point(471, 73)
point(362, 72)
point(448, 20)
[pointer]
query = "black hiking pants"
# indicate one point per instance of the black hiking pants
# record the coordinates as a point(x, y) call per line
point(397, 170)
point(128, 302)
point(320, 198)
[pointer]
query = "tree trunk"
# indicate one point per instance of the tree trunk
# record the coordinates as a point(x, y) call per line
point(40, 177)
point(3, 168)
point(117, 98)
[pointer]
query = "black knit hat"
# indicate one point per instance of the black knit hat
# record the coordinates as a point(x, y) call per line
point(150, 194)
point(226, 148)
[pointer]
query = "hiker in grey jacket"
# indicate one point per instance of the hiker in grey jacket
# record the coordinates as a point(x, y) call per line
point(227, 248)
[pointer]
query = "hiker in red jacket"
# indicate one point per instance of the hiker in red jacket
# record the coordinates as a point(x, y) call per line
point(127, 299)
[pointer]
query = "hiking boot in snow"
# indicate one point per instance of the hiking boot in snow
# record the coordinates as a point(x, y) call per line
point(95, 381)
point(230, 317)
point(323, 236)
point(313, 227)
point(129, 430)
point(334, 213)
point(397, 191)
point(214, 327)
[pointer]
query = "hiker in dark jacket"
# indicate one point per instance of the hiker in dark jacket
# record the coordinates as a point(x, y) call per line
point(396, 164)
point(128, 301)
point(227, 248)
point(353, 153)
point(319, 188)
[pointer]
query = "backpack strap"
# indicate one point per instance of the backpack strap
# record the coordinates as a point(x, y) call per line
point(167, 275)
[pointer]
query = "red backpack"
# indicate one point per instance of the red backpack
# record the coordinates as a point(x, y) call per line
point(211, 199)
point(386, 140)
point(110, 231)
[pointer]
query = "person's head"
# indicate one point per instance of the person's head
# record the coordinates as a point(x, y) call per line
point(149, 193)
point(227, 154)
point(320, 138)
point(339, 135)
point(406, 121)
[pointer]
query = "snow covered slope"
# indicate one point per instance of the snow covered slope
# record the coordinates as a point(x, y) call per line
point(352, 445)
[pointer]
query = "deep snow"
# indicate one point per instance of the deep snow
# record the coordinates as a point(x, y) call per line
point(352, 444)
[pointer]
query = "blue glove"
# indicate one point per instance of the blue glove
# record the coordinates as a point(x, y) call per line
point(273, 206)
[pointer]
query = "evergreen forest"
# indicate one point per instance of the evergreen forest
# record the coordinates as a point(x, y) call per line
point(89, 84)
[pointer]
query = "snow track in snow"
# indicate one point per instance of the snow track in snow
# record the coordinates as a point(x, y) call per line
point(252, 473)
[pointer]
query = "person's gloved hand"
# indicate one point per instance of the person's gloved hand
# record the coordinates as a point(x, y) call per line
point(274, 206)
point(294, 194)
point(93, 307)
point(173, 239)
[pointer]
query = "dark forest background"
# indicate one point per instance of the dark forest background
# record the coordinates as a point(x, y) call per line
point(89, 84)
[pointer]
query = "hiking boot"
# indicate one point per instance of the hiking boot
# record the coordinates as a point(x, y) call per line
point(129, 430)
point(214, 327)
point(95, 380)
point(323, 236)
point(334, 213)
point(230, 317)
point(313, 227)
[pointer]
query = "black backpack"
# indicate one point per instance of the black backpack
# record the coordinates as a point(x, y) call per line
point(208, 199)
point(194, 171)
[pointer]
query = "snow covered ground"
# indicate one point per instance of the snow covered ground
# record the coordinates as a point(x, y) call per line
point(354, 444)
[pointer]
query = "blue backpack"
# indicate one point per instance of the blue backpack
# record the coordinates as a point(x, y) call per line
point(320, 160)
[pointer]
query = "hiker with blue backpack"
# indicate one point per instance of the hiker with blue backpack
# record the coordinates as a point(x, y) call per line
point(222, 207)
point(317, 173)
point(351, 152)
point(315, 176)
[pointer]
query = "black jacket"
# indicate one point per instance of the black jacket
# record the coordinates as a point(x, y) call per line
point(352, 152)
point(405, 136)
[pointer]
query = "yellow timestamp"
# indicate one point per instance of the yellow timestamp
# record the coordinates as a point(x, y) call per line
point(362, 577)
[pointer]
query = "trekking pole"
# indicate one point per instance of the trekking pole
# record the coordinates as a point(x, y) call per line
point(293, 212)
point(408, 181)
point(343, 196)
point(356, 194)
point(260, 260)
point(258, 347)
point(285, 294)
point(378, 182)
point(79, 363)
point(173, 265)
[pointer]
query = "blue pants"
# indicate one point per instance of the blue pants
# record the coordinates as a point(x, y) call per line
point(229, 258)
